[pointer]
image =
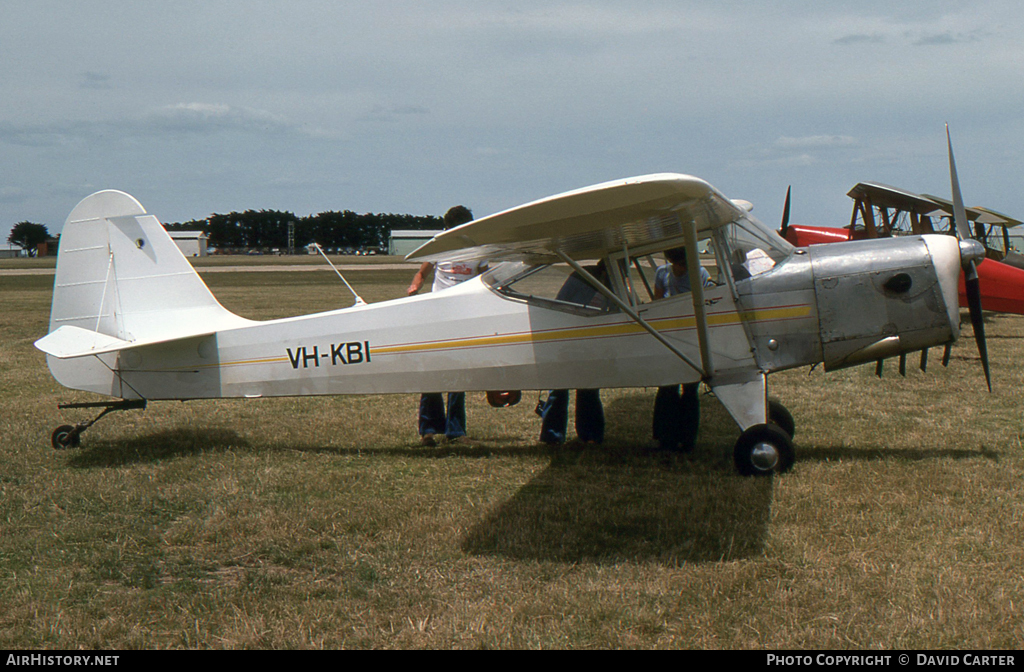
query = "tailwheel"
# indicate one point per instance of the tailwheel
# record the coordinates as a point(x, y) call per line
point(66, 436)
point(70, 436)
point(779, 415)
point(762, 450)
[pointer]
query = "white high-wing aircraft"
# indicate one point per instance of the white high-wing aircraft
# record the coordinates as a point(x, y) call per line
point(132, 320)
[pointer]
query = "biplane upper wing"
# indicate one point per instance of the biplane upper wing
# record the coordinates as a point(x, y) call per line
point(982, 215)
point(1000, 218)
point(885, 196)
point(588, 223)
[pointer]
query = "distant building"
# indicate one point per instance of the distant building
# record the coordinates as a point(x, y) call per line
point(48, 248)
point(191, 243)
point(404, 242)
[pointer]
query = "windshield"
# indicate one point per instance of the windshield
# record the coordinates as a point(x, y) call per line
point(751, 247)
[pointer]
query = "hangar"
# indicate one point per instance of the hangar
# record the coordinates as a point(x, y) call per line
point(191, 243)
point(403, 242)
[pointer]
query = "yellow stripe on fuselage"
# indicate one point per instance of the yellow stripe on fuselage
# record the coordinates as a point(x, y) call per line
point(664, 325)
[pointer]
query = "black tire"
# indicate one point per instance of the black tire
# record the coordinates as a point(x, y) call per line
point(762, 450)
point(780, 415)
point(64, 437)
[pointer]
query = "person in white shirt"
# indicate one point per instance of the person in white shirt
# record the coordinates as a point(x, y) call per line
point(435, 418)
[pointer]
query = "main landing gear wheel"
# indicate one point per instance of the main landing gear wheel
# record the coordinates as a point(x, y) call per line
point(65, 436)
point(780, 415)
point(762, 450)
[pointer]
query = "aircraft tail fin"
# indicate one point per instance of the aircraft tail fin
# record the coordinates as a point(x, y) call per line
point(120, 275)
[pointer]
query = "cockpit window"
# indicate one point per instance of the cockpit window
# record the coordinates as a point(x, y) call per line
point(742, 249)
point(639, 272)
point(555, 286)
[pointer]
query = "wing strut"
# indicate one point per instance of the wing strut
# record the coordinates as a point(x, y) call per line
point(624, 307)
point(697, 290)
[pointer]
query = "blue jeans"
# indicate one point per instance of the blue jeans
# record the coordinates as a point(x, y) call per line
point(677, 417)
point(434, 419)
point(589, 416)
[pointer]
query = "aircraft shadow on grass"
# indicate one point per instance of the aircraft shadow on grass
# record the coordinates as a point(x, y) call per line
point(174, 443)
point(156, 447)
point(610, 513)
point(618, 502)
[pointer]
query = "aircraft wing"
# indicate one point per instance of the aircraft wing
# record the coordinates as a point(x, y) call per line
point(982, 215)
point(884, 196)
point(1001, 219)
point(588, 223)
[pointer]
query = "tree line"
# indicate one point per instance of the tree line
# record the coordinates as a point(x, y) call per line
point(269, 229)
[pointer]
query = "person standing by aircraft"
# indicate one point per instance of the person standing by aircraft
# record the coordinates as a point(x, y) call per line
point(434, 417)
point(554, 412)
point(676, 417)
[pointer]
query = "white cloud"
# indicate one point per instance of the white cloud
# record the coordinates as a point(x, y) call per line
point(207, 117)
point(12, 195)
point(95, 81)
point(815, 142)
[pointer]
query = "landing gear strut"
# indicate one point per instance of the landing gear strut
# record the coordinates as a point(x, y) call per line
point(70, 436)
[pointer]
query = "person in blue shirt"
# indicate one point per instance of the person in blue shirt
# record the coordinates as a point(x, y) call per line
point(676, 417)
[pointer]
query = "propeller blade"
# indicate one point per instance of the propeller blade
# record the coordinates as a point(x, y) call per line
point(878, 368)
point(924, 361)
point(963, 231)
point(903, 364)
point(973, 286)
point(945, 354)
point(785, 213)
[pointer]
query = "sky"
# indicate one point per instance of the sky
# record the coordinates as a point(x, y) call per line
point(411, 107)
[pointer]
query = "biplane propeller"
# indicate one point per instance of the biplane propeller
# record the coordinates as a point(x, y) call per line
point(133, 321)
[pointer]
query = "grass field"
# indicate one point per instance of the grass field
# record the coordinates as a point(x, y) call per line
point(309, 523)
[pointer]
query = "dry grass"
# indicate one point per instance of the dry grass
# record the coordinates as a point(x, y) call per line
point(314, 523)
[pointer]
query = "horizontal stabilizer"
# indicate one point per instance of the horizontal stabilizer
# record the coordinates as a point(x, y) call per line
point(69, 342)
